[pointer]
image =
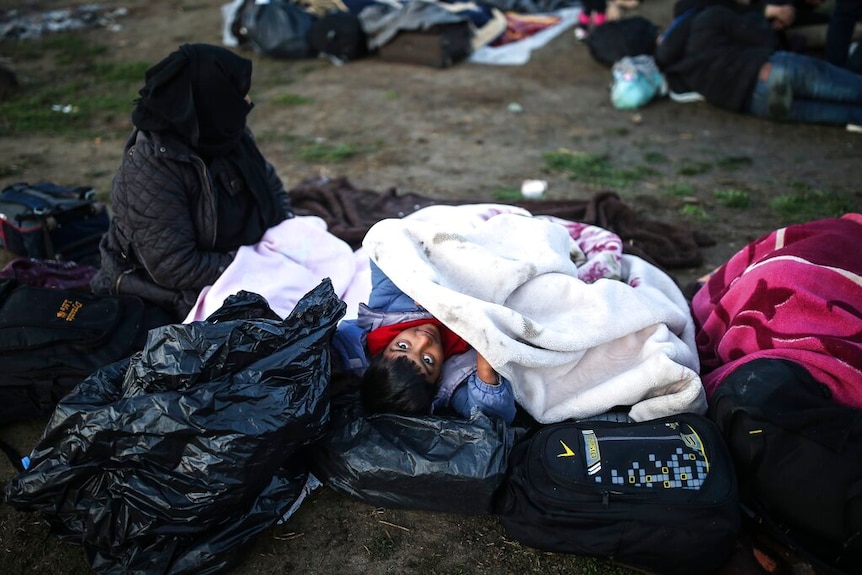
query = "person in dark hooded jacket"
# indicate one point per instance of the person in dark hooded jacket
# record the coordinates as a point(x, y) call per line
point(735, 63)
point(192, 186)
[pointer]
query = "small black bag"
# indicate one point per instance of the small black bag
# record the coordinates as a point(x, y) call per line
point(659, 495)
point(634, 36)
point(340, 36)
point(47, 221)
point(429, 463)
point(278, 29)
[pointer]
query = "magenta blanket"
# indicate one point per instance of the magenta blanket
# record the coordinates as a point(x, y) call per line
point(794, 294)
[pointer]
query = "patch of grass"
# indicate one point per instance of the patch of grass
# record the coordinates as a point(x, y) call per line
point(65, 110)
point(77, 105)
point(507, 194)
point(71, 49)
point(679, 189)
point(593, 169)
point(619, 131)
point(655, 158)
point(733, 198)
point(694, 211)
point(383, 547)
point(392, 95)
point(327, 153)
point(691, 168)
point(128, 72)
point(292, 100)
point(734, 162)
point(812, 204)
point(12, 169)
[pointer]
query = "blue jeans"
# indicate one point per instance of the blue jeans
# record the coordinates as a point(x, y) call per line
point(810, 90)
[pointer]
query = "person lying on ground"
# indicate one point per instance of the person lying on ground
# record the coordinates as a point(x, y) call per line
point(734, 63)
point(578, 327)
point(411, 363)
point(794, 294)
point(780, 14)
point(192, 186)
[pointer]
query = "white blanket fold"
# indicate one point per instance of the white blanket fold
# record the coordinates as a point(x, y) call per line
point(509, 286)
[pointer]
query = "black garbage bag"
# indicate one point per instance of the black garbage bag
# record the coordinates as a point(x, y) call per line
point(278, 29)
point(167, 462)
point(429, 463)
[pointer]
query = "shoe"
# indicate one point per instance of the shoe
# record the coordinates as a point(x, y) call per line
point(581, 32)
point(685, 97)
point(855, 128)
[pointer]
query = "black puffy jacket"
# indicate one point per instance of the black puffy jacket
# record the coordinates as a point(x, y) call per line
point(160, 244)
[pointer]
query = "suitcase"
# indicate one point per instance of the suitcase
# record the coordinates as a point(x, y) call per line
point(440, 46)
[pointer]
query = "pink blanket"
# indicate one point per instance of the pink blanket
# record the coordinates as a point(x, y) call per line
point(794, 294)
point(291, 259)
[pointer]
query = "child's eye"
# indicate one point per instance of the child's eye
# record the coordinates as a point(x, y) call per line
point(428, 359)
point(402, 345)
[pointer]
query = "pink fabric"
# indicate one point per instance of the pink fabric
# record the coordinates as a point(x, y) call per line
point(794, 294)
point(290, 260)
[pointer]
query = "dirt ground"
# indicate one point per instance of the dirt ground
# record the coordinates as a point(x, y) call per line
point(448, 133)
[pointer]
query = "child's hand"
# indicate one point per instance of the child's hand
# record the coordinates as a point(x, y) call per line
point(485, 372)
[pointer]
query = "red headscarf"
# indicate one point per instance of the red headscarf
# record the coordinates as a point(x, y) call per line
point(379, 338)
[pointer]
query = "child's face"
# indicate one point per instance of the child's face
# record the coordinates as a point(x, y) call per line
point(422, 346)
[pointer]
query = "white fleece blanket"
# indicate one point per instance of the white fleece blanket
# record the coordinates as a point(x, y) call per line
point(509, 286)
point(289, 261)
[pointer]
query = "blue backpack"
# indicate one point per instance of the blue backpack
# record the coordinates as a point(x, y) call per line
point(47, 221)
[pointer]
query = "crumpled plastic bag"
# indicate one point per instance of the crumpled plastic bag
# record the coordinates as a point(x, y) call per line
point(428, 463)
point(636, 81)
point(170, 460)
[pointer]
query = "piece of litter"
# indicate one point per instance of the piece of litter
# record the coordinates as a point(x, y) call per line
point(64, 108)
point(533, 188)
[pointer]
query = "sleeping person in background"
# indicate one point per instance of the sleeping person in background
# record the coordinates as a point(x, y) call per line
point(794, 294)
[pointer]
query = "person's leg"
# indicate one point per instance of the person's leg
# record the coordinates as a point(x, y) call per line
point(818, 112)
point(600, 8)
point(582, 29)
point(839, 33)
point(806, 89)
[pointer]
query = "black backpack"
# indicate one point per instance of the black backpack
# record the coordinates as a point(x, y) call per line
point(658, 495)
point(339, 35)
point(798, 456)
point(51, 339)
point(632, 36)
point(47, 221)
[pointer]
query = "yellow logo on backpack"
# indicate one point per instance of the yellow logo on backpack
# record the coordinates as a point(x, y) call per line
point(69, 309)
